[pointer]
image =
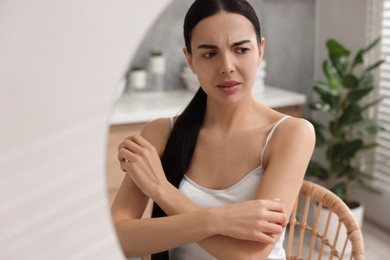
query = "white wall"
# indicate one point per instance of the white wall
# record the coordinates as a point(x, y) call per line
point(343, 20)
point(60, 62)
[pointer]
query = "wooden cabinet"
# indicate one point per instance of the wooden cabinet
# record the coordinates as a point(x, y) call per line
point(119, 132)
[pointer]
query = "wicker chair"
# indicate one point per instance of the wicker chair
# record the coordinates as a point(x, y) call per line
point(312, 239)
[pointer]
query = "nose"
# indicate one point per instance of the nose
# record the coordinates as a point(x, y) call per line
point(227, 65)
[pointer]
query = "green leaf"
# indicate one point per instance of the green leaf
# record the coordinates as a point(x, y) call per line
point(375, 65)
point(340, 190)
point(336, 50)
point(327, 94)
point(338, 54)
point(364, 121)
point(334, 128)
point(370, 146)
point(316, 170)
point(359, 56)
point(373, 103)
point(358, 93)
point(367, 80)
point(320, 106)
point(352, 173)
point(331, 74)
point(341, 64)
point(347, 150)
point(372, 44)
point(351, 115)
point(350, 81)
point(364, 87)
point(371, 130)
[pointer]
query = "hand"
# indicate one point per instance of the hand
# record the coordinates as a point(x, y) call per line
point(142, 163)
point(256, 220)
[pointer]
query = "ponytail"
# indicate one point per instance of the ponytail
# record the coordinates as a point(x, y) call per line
point(180, 148)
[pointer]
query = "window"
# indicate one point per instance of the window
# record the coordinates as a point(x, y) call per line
point(382, 153)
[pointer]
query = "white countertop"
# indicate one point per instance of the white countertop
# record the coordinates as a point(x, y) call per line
point(140, 107)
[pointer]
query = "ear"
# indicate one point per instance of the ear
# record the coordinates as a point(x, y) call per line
point(261, 51)
point(189, 60)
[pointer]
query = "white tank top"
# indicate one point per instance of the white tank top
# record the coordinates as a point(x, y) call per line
point(245, 189)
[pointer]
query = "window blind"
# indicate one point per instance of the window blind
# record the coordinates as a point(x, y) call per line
point(382, 153)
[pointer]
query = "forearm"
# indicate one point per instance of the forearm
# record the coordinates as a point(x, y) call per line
point(173, 202)
point(147, 236)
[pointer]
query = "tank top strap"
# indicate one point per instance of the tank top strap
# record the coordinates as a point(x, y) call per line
point(270, 136)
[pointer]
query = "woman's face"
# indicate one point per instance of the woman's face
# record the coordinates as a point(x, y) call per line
point(225, 56)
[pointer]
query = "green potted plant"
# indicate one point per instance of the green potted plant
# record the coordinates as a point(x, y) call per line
point(348, 130)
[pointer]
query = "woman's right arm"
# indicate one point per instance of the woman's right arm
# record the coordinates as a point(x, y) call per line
point(145, 236)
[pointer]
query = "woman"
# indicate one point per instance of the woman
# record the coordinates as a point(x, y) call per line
point(230, 168)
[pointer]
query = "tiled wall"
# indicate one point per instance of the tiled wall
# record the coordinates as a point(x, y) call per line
point(288, 27)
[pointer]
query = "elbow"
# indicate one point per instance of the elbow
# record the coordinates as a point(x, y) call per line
point(122, 239)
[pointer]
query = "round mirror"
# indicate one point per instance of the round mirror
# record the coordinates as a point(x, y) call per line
point(61, 62)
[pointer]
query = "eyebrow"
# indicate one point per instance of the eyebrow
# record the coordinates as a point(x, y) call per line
point(211, 46)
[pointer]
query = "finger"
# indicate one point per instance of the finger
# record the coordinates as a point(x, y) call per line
point(276, 205)
point(264, 238)
point(123, 166)
point(140, 140)
point(278, 218)
point(126, 142)
point(130, 146)
point(272, 228)
point(126, 155)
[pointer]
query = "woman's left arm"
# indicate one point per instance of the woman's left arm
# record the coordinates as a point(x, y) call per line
point(285, 161)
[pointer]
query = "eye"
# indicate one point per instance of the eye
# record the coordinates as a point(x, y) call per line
point(209, 54)
point(242, 50)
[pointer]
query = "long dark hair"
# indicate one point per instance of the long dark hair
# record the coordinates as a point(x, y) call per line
point(181, 143)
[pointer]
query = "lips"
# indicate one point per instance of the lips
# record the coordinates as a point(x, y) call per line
point(229, 86)
point(228, 83)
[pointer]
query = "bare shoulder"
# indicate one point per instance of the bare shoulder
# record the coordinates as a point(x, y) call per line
point(157, 133)
point(294, 126)
point(294, 136)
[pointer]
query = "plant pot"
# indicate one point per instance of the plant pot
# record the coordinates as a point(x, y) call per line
point(138, 79)
point(157, 72)
point(357, 212)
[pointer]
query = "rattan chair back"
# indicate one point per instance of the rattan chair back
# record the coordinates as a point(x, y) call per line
point(308, 238)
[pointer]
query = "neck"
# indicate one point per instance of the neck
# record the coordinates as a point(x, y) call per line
point(228, 118)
